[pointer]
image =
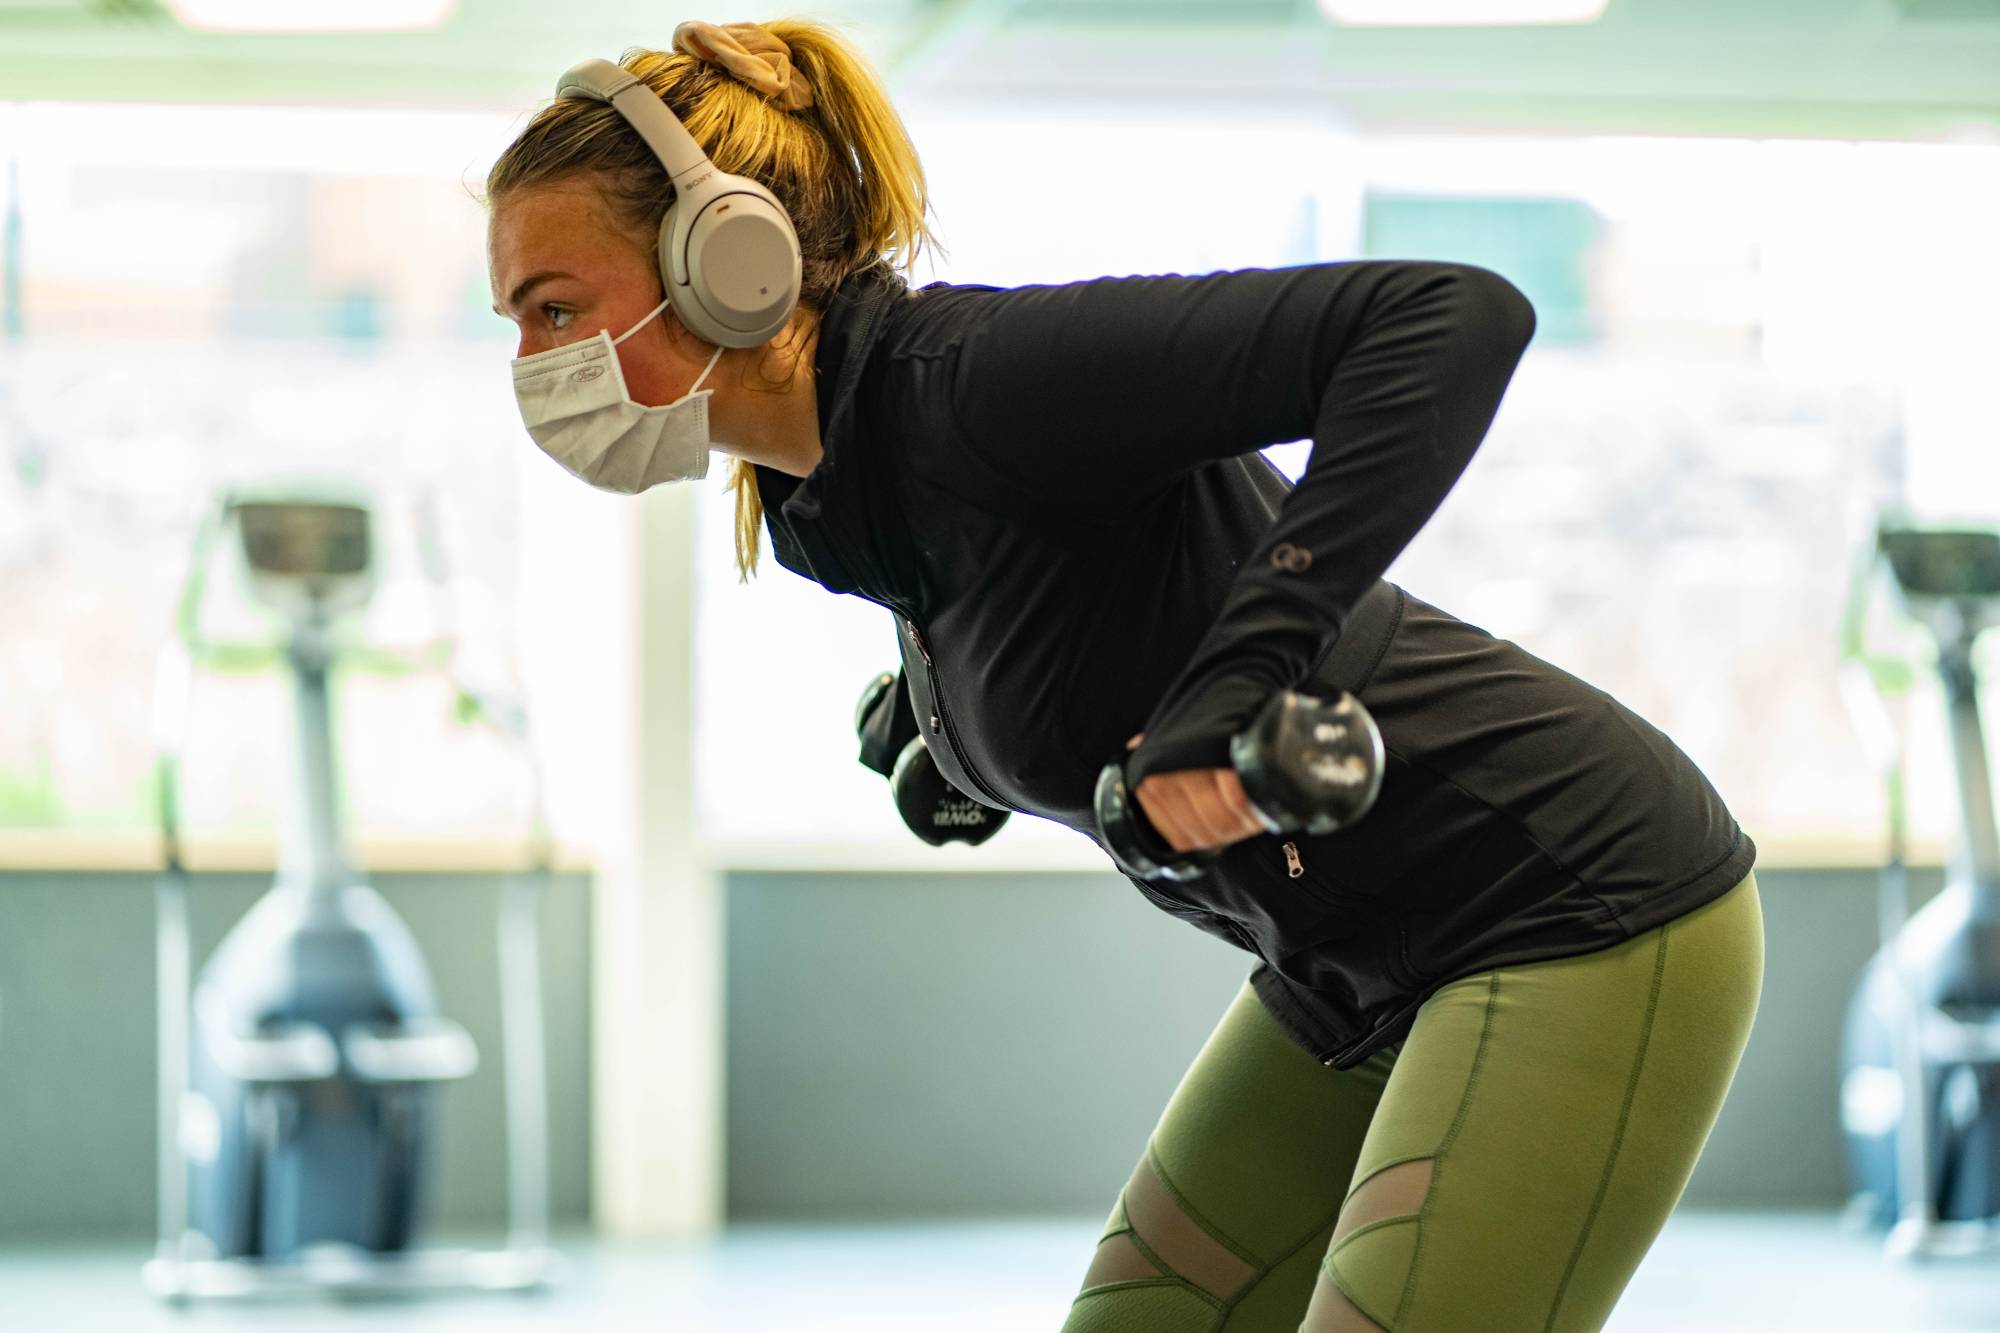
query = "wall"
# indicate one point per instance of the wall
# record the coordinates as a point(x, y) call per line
point(898, 1045)
point(958, 1044)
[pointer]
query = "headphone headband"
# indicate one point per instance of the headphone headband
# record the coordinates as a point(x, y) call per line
point(642, 110)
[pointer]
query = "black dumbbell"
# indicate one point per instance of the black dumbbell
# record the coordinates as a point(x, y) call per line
point(935, 810)
point(873, 725)
point(1308, 766)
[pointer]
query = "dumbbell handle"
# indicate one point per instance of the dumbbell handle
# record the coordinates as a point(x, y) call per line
point(1306, 765)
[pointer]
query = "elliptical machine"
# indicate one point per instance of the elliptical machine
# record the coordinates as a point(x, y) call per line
point(1920, 1058)
point(298, 1110)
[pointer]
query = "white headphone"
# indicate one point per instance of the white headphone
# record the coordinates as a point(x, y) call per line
point(729, 257)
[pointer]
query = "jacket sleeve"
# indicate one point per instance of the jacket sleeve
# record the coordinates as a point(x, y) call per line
point(1096, 398)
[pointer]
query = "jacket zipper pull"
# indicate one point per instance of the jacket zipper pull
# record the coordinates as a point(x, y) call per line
point(917, 639)
point(1294, 866)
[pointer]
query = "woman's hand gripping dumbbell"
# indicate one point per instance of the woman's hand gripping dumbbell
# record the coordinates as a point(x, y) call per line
point(1305, 765)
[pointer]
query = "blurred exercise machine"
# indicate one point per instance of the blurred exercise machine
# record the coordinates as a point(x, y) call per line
point(298, 1085)
point(1920, 1058)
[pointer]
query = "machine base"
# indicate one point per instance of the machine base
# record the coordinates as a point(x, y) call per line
point(346, 1271)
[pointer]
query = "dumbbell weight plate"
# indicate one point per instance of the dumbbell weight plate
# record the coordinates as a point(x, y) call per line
point(1310, 765)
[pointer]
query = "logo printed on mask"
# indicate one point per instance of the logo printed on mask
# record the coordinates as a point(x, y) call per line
point(587, 374)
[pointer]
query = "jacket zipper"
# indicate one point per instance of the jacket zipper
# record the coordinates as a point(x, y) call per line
point(944, 716)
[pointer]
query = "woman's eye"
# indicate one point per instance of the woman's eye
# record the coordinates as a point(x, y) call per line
point(558, 317)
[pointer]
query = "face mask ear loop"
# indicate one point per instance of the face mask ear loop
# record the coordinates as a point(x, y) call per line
point(640, 325)
point(647, 320)
point(704, 372)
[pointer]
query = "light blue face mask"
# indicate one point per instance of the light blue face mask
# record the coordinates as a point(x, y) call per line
point(574, 403)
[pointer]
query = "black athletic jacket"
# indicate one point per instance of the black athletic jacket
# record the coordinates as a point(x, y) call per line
point(1057, 491)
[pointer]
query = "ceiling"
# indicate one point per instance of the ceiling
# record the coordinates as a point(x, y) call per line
point(1835, 68)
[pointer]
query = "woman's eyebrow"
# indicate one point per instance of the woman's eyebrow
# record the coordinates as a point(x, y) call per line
point(527, 284)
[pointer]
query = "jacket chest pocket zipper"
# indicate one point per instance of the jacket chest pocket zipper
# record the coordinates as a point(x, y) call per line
point(937, 723)
point(940, 721)
point(1294, 865)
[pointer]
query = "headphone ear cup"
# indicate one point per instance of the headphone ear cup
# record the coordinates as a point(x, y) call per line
point(665, 251)
point(741, 259)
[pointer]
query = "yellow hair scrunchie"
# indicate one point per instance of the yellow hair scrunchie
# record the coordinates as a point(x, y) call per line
point(750, 53)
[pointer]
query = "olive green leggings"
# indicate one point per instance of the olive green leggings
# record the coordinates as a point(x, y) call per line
point(1504, 1168)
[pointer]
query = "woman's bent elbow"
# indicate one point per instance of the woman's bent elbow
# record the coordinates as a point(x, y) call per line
point(1501, 306)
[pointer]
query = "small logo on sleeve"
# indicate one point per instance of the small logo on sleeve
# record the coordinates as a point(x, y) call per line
point(1291, 559)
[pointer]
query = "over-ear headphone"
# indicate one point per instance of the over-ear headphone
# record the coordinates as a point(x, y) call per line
point(729, 257)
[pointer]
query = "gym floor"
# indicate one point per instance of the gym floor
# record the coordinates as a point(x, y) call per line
point(1710, 1271)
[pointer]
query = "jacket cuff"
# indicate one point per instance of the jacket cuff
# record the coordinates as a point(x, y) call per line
point(1197, 735)
point(1176, 755)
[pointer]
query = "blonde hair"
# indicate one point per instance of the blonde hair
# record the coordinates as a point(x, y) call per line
point(843, 167)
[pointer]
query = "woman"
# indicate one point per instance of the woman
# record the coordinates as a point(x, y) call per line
point(1492, 1023)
